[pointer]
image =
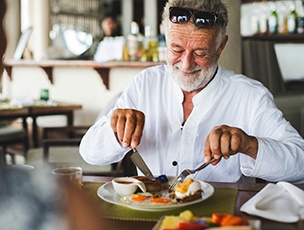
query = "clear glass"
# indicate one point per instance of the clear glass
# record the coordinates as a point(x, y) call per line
point(69, 175)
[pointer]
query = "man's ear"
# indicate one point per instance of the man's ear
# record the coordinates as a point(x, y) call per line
point(222, 46)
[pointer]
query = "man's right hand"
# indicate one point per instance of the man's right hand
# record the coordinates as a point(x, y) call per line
point(128, 125)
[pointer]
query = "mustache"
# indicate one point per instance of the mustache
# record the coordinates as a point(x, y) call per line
point(194, 69)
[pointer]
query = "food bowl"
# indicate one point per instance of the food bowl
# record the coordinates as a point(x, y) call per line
point(125, 186)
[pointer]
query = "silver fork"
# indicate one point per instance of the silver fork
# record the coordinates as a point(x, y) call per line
point(186, 173)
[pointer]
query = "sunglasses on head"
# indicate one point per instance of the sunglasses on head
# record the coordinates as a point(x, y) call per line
point(202, 19)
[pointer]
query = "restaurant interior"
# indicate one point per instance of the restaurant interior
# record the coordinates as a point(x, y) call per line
point(62, 73)
point(54, 48)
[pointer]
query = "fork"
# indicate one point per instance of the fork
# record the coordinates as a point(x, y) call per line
point(186, 173)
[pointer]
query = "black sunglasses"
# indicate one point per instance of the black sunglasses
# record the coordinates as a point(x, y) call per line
point(202, 19)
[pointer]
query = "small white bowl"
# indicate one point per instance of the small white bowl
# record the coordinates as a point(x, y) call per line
point(125, 186)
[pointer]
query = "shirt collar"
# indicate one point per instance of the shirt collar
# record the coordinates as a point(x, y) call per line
point(210, 90)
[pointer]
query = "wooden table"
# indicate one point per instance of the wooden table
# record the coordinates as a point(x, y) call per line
point(245, 192)
point(59, 108)
point(8, 114)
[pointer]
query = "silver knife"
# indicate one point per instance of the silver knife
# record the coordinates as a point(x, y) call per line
point(139, 162)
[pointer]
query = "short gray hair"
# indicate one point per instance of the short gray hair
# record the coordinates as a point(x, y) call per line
point(215, 6)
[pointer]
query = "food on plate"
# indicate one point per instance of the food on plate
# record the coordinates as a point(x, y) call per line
point(148, 198)
point(154, 185)
point(187, 191)
point(139, 197)
point(186, 220)
point(157, 192)
point(228, 220)
point(151, 185)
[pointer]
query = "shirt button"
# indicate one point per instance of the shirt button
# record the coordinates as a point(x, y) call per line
point(174, 163)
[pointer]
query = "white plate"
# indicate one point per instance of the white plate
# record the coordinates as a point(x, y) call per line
point(107, 193)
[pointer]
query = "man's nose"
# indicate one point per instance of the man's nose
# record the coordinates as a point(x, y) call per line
point(187, 61)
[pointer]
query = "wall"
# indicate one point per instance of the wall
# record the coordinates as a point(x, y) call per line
point(83, 85)
point(12, 25)
point(231, 57)
point(75, 85)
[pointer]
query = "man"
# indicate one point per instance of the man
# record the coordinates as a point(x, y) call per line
point(191, 110)
point(110, 26)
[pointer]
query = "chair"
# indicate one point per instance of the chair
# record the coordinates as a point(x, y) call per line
point(68, 153)
point(61, 148)
point(10, 135)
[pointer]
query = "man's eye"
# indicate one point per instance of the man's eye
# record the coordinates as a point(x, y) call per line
point(201, 54)
point(177, 51)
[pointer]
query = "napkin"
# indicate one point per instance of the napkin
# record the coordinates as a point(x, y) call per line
point(281, 202)
point(22, 101)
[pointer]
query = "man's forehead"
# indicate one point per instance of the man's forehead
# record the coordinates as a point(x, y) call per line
point(190, 32)
point(182, 30)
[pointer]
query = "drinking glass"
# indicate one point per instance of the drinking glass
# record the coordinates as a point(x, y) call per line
point(71, 175)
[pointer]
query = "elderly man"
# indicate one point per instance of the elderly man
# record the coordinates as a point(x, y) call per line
point(186, 112)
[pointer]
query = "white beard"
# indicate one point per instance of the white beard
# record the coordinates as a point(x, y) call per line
point(193, 82)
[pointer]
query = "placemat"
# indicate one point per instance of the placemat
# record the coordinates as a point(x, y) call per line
point(223, 201)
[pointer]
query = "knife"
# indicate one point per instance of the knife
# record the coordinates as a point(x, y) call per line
point(139, 162)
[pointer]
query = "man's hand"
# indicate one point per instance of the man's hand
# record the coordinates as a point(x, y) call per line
point(128, 125)
point(224, 141)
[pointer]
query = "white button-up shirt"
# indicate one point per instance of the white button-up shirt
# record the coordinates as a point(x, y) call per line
point(168, 147)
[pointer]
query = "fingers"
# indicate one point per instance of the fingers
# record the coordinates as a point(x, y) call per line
point(137, 134)
point(128, 125)
point(208, 153)
point(224, 141)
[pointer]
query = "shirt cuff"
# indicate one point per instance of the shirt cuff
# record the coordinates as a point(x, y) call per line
point(249, 166)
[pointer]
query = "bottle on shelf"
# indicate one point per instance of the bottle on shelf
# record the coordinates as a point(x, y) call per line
point(263, 18)
point(273, 21)
point(135, 43)
point(283, 13)
point(150, 51)
point(300, 25)
point(254, 24)
point(162, 46)
point(125, 51)
point(292, 20)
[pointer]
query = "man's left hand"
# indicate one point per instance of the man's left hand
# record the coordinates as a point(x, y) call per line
point(224, 141)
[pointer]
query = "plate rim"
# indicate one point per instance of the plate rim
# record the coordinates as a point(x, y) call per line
point(108, 186)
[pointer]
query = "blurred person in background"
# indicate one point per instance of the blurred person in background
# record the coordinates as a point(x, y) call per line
point(34, 200)
point(106, 48)
point(110, 26)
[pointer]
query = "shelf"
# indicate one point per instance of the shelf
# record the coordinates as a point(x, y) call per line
point(251, 1)
point(75, 14)
point(288, 38)
point(103, 69)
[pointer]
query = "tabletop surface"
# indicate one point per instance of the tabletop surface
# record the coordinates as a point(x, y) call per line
point(245, 192)
point(36, 107)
